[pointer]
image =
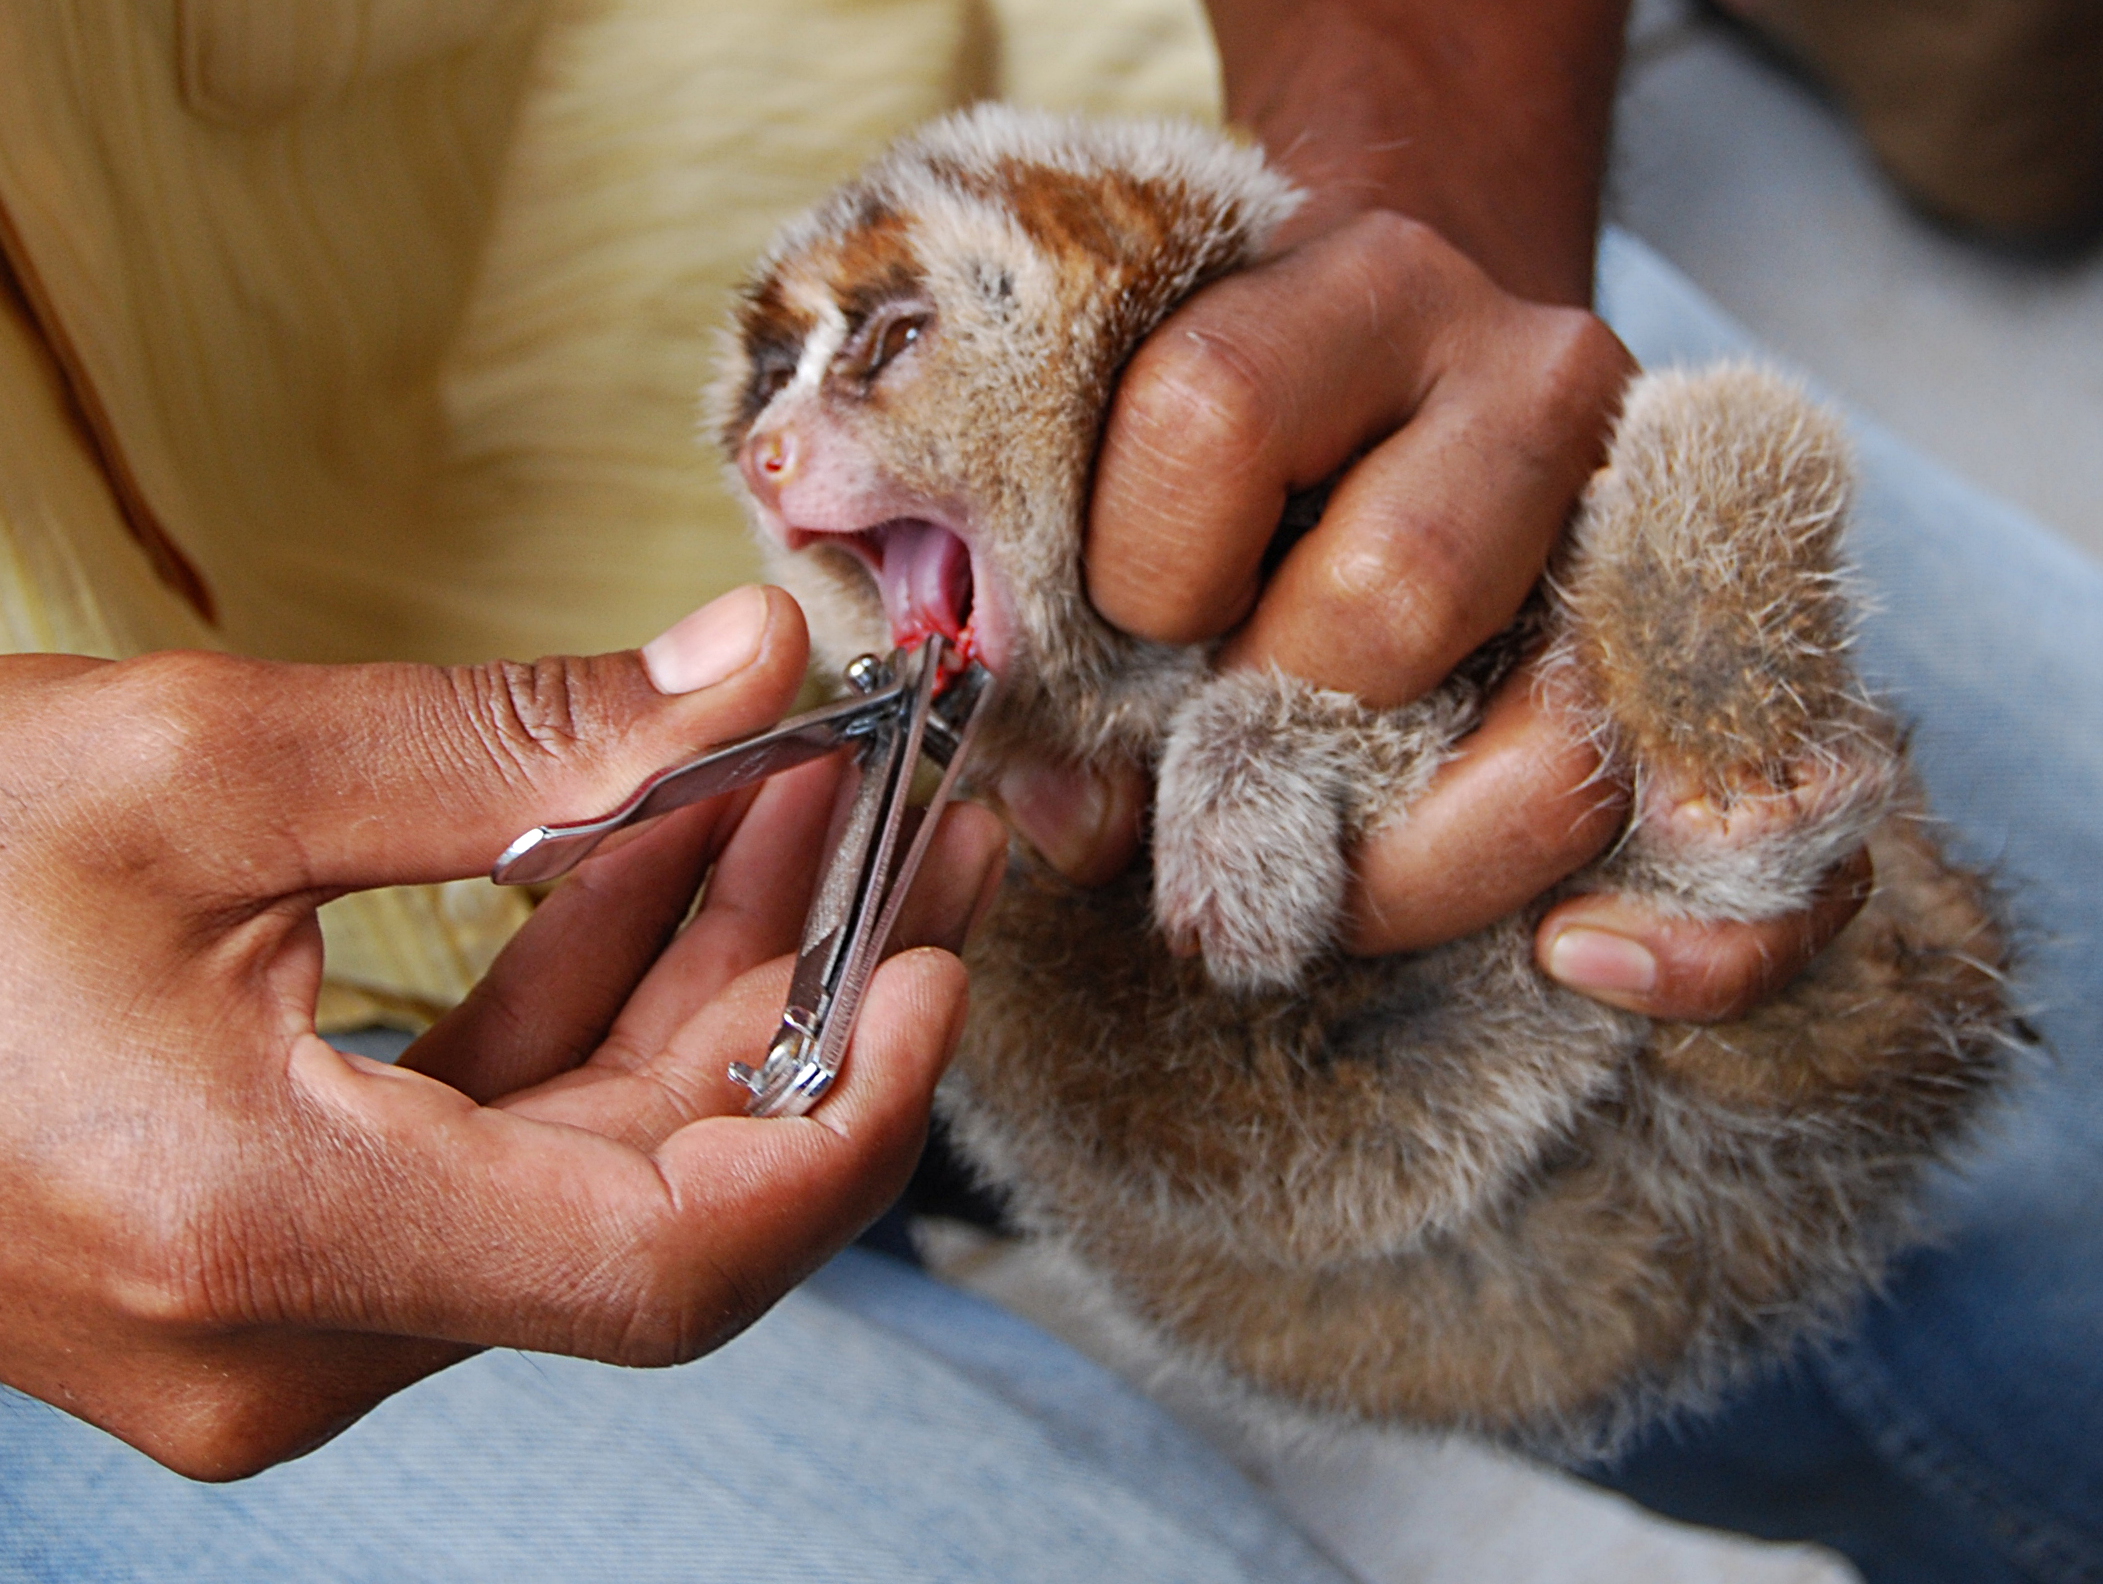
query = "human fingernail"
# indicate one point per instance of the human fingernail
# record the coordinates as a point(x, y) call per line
point(990, 879)
point(713, 644)
point(1593, 960)
point(1062, 809)
point(963, 875)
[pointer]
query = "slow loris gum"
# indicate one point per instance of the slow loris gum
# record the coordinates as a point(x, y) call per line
point(1433, 1187)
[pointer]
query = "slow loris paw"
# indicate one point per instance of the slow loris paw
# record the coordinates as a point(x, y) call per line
point(1264, 781)
point(1754, 852)
point(1248, 829)
point(1707, 628)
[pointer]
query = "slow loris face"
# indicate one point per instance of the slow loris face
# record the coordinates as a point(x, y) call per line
point(919, 379)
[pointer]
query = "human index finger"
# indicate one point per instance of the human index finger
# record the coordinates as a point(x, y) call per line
point(1264, 383)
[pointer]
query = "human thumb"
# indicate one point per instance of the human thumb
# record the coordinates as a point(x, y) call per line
point(352, 776)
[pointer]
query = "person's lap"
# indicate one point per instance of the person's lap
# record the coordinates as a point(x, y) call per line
point(1958, 1434)
point(875, 1426)
point(878, 1425)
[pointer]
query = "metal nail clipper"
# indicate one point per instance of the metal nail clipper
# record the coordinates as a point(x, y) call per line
point(901, 708)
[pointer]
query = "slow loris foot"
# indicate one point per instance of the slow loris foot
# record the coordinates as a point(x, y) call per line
point(1705, 631)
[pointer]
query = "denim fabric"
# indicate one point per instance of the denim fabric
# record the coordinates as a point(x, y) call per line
point(1957, 1435)
point(875, 1427)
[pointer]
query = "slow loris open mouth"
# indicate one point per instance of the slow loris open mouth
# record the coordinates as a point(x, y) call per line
point(923, 574)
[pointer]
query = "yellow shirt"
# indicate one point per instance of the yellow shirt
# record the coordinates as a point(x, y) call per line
point(355, 329)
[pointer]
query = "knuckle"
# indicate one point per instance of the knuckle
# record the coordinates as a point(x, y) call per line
point(175, 1266)
point(1411, 267)
point(1730, 1002)
point(136, 752)
point(1576, 372)
point(1405, 598)
point(160, 719)
point(1386, 238)
point(159, 1297)
point(1204, 394)
point(1726, 971)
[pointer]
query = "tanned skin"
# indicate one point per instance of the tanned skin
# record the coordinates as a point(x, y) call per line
point(223, 1241)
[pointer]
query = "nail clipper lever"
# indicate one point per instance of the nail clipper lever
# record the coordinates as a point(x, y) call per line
point(897, 716)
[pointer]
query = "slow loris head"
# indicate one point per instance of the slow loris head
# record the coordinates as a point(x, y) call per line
point(918, 381)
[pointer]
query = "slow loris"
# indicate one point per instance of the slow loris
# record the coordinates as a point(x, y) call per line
point(1433, 1186)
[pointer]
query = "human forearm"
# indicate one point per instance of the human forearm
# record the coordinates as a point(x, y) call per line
point(1487, 119)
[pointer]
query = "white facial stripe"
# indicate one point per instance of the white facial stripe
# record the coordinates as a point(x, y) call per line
point(822, 346)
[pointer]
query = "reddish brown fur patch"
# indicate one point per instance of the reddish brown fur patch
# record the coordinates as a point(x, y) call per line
point(873, 266)
point(1160, 239)
point(1155, 241)
point(1113, 218)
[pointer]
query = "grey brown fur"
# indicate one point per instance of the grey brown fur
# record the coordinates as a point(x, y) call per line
point(1433, 1187)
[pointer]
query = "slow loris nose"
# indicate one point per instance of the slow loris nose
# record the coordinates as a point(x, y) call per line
point(769, 459)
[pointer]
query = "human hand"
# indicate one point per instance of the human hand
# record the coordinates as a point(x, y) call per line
point(222, 1240)
point(1451, 372)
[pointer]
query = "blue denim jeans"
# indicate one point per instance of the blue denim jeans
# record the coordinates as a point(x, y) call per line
point(878, 1426)
point(1957, 1434)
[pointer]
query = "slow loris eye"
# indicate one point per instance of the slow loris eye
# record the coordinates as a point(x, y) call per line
point(898, 335)
point(883, 339)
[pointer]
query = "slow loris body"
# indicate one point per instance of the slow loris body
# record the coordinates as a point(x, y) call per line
point(1432, 1186)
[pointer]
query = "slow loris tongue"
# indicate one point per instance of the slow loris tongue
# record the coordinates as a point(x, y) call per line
point(926, 583)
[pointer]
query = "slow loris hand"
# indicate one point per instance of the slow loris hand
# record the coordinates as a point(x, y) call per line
point(222, 1240)
point(1448, 355)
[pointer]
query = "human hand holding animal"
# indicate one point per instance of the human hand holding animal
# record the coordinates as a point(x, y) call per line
point(223, 1240)
point(1446, 364)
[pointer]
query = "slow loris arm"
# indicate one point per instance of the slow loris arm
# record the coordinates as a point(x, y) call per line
point(1480, 413)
